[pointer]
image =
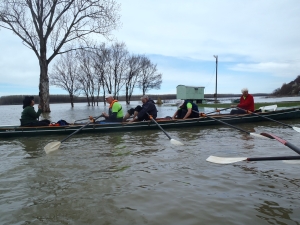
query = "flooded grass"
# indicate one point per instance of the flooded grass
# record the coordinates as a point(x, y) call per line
point(257, 105)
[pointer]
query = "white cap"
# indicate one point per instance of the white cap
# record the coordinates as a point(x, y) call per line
point(179, 103)
point(244, 89)
point(109, 95)
point(145, 96)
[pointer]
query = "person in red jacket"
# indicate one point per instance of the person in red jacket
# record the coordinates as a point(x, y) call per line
point(246, 103)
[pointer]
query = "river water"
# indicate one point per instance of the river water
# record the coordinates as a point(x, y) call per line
point(140, 178)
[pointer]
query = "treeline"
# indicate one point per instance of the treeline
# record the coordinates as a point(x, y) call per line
point(18, 99)
point(100, 70)
point(290, 89)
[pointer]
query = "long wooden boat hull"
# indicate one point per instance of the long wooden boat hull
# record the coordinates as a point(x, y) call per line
point(17, 131)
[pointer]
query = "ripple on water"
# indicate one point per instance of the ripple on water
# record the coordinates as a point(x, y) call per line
point(140, 178)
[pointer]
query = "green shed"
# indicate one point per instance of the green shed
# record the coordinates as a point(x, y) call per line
point(191, 93)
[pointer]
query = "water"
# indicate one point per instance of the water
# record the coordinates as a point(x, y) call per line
point(140, 178)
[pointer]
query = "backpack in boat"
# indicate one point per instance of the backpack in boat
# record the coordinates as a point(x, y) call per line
point(62, 123)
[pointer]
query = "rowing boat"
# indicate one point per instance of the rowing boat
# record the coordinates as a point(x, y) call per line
point(17, 131)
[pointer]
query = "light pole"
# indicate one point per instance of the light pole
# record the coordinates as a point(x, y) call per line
point(216, 93)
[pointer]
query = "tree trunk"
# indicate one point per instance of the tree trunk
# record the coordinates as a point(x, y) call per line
point(72, 100)
point(127, 97)
point(93, 100)
point(44, 84)
point(88, 100)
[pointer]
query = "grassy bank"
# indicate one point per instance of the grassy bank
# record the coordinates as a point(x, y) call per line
point(257, 105)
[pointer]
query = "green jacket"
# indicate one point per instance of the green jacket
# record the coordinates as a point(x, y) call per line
point(29, 115)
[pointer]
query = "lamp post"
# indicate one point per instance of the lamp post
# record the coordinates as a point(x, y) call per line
point(216, 93)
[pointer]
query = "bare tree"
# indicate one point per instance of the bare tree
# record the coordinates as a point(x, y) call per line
point(150, 78)
point(114, 78)
point(134, 71)
point(64, 75)
point(50, 24)
point(101, 64)
point(86, 74)
point(84, 86)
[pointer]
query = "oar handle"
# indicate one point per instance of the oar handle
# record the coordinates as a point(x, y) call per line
point(266, 117)
point(79, 129)
point(159, 126)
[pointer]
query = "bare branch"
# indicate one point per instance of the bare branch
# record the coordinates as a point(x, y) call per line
point(46, 26)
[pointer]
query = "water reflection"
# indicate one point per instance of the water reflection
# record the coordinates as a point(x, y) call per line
point(274, 213)
point(32, 146)
point(275, 206)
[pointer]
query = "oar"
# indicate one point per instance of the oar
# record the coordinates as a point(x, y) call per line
point(253, 134)
point(173, 141)
point(262, 135)
point(84, 119)
point(295, 128)
point(223, 160)
point(81, 120)
point(218, 110)
point(227, 160)
point(286, 143)
point(52, 146)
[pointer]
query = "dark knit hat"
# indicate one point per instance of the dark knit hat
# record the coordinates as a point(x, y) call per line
point(27, 101)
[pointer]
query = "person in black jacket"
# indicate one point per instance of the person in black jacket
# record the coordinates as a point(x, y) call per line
point(140, 112)
point(188, 109)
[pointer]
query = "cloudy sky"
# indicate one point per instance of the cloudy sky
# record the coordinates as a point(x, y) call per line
point(257, 43)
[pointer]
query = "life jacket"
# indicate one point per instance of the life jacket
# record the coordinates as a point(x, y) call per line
point(194, 106)
point(111, 105)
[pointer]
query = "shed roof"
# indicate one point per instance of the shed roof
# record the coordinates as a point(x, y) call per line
point(191, 86)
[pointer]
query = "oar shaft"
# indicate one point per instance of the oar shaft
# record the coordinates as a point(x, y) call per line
point(293, 147)
point(81, 119)
point(229, 125)
point(85, 119)
point(267, 118)
point(273, 158)
point(78, 130)
point(226, 123)
point(228, 160)
point(286, 143)
point(160, 127)
point(219, 110)
point(271, 136)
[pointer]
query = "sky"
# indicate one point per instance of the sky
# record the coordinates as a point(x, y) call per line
point(257, 44)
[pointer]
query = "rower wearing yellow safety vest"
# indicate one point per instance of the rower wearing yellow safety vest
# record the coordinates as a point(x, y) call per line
point(115, 112)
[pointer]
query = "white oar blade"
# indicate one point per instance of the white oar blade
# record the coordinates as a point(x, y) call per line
point(223, 160)
point(259, 136)
point(175, 142)
point(52, 146)
point(296, 129)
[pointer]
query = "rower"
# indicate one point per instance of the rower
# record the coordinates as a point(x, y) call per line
point(246, 103)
